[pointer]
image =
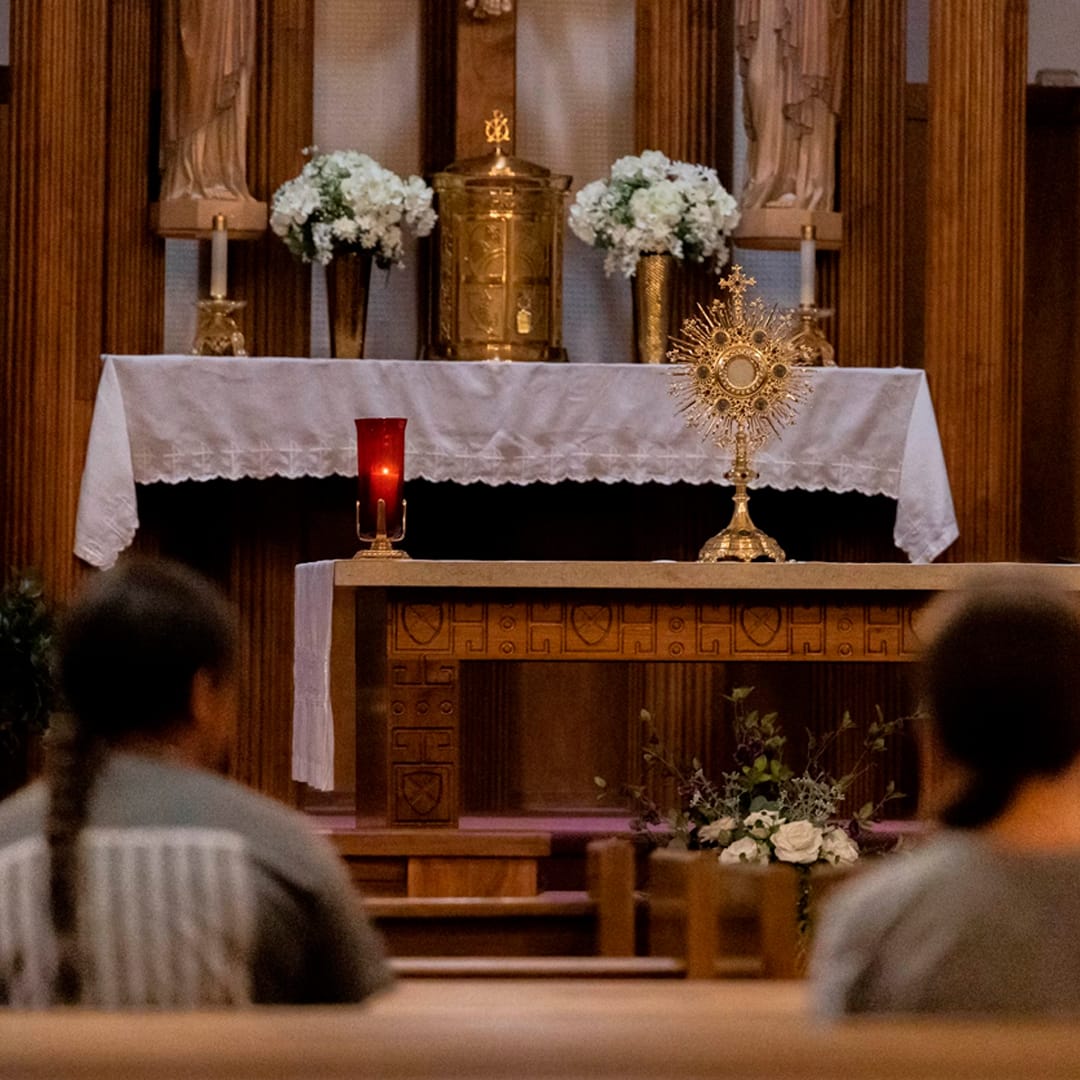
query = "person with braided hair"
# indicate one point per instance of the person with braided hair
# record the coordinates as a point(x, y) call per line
point(981, 919)
point(134, 875)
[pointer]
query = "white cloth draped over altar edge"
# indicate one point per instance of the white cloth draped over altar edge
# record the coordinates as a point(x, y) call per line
point(178, 418)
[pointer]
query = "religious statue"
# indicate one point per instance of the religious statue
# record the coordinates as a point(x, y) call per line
point(791, 55)
point(209, 56)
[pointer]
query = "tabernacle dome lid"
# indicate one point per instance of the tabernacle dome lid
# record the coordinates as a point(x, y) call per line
point(499, 166)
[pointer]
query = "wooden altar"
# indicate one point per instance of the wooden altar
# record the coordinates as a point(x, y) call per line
point(405, 630)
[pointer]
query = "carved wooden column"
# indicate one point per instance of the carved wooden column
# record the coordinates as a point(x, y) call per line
point(870, 324)
point(975, 264)
point(685, 72)
point(84, 271)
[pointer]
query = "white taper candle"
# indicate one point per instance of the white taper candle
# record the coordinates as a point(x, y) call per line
point(219, 258)
point(807, 257)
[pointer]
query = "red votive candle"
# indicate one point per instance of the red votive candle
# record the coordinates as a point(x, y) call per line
point(380, 457)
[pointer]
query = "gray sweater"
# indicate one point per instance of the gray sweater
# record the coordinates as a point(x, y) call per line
point(194, 891)
point(958, 926)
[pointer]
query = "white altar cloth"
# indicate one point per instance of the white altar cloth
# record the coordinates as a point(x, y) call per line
point(176, 418)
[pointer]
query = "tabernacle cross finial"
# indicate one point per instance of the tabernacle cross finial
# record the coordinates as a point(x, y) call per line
point(497, 129)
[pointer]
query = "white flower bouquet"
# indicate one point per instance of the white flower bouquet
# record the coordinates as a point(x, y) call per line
point(652, 205)
point(761, 811)
point(345, 201)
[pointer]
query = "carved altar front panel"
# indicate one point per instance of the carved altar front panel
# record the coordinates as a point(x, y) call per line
point(430, 634)
point(599, 627)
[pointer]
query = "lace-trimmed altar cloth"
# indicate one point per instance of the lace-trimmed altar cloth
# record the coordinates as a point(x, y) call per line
point(176, 418)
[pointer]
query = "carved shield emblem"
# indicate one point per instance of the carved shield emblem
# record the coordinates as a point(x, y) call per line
point(422, 790)
point(760, 624)
point(591, 622)
point(422, 622)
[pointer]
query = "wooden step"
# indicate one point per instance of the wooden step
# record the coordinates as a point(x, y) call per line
point(547, 924)
point(443, 862)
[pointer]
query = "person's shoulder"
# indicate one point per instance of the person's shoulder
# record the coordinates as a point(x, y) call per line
point(22, 813)
point(279, 837)
point(889, 881)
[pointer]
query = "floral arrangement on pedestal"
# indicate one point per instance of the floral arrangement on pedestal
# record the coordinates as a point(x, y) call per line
point(762, 811)
point(651, 205)
point(344, 202)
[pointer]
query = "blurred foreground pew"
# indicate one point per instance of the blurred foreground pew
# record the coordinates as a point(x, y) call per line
point(630, 1030)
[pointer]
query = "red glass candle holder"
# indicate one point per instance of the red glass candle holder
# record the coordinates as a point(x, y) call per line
point(380, 456)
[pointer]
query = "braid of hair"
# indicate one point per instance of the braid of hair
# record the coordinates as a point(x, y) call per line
point(75, 760)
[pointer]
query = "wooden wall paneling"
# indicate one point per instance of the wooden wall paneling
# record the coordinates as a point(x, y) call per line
point(134, 279)
point(276, 285)
point(688, 714)
point(916, 167)
point(485, 79)
point(974, 286)
point(266, 521)
point(1050, 526)
point(267, 530)
point(57, 216)
point(683, 93)
point(7, 365)
point(871, 271)
point(570, 718)
point(490, 754)
point(438, 135)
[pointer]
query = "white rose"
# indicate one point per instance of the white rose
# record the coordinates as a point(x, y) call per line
point(797, 842)
point(838, 848)
point(746, 850)
point(762, 822)
point(718, 831)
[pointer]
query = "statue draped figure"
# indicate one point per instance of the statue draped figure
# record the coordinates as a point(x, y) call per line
point(791, 56)
point(209, 56)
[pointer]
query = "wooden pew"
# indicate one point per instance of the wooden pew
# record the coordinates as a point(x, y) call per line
point(632, 1030)
point(552, 935)
point(730, 921)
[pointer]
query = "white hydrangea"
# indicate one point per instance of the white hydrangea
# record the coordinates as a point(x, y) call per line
point(653, 205)
point(346, 201)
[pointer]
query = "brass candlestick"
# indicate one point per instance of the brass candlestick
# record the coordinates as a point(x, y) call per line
point(741, 381)
point(217, 333)
point(382, 546)
point(810, 343)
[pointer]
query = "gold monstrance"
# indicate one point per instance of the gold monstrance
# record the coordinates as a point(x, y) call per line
point(740, 379)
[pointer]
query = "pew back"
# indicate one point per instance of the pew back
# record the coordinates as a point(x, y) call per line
point(629, 1030)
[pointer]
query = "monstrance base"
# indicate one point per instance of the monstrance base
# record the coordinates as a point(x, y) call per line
point(745, 544)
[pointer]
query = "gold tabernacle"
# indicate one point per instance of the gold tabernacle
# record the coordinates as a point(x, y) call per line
point(500, 257)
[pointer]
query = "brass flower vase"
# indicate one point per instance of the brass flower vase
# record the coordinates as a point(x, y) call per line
point(652, 284)
point(348, 281)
